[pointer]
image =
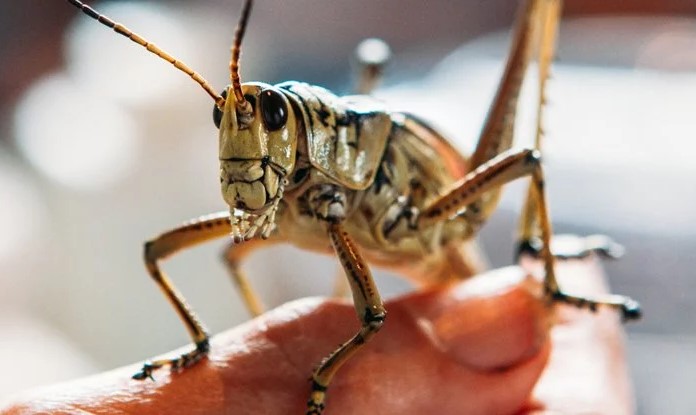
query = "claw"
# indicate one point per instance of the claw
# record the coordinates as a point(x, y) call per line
point(531, 247)
point(145, 372)
point(569, 246)
point(630, 310)
point(176, 365)
point(604, 246)
point(140, 376)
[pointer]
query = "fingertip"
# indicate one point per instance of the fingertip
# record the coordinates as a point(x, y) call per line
point(495, 332)
point(490, 322)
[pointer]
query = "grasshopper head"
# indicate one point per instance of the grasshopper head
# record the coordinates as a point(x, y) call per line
point(258, 140)
point(257, 148)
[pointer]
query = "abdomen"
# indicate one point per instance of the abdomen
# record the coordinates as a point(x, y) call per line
point(418, 167)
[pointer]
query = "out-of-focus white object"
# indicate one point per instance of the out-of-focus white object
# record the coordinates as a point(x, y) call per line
point(102, 61)
point(33, 354)
point(73, 137)
point(22, 215)
point(373, 51)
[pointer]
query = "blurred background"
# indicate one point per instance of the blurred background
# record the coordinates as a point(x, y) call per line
point(102, 147)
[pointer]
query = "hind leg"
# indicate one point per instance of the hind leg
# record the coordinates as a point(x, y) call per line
point(509, 166)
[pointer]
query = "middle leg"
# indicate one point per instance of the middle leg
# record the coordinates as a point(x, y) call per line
point(232, 256)
point(368, 306)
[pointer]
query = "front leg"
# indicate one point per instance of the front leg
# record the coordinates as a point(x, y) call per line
point(195, 232)
point(192, 233)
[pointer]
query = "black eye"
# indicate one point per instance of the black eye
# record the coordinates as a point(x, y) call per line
point(217, 113)
point(273, 110)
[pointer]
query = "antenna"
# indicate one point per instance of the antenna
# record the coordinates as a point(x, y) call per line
point(243, 105)
point(151, 47)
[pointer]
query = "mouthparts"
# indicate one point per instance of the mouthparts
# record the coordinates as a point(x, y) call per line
point(252, 189)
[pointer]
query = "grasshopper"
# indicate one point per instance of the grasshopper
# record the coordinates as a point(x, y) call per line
point(347, 176)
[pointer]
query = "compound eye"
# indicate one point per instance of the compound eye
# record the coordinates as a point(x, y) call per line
point(217, 112)
point(273, 109)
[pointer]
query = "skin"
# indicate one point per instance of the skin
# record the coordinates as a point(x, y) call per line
point(482, 346)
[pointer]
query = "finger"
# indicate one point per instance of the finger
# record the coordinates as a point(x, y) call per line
point(423, 361)
point(490, 322)
point(426, 359)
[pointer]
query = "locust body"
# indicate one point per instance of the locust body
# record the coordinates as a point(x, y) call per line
point(352, 161)
point(345, 175)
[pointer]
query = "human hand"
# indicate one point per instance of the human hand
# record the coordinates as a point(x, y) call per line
point(480, 346)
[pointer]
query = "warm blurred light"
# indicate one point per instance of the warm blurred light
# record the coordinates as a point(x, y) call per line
point(21, 211)
point(666, 49)
point(77, 139)
point(109, 64)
